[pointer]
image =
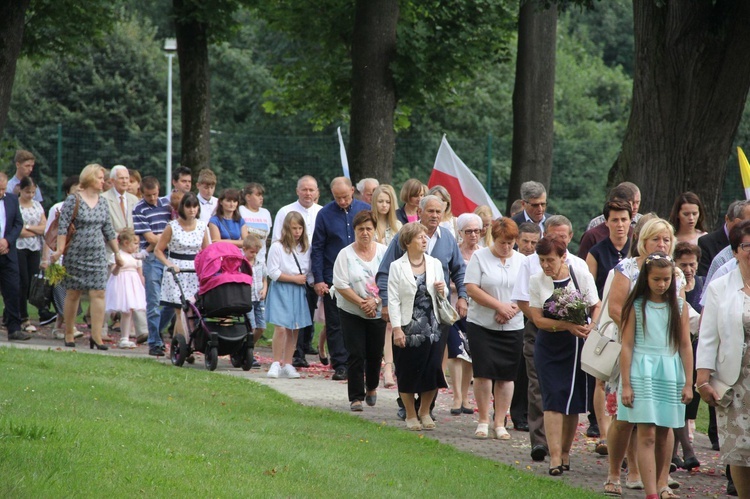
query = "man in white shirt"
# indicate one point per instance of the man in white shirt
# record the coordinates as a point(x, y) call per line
point(560, 227)
point(307, 194)
point(206, 185)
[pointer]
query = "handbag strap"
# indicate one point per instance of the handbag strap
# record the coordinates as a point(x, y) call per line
point(294, 255)
point(72, 220)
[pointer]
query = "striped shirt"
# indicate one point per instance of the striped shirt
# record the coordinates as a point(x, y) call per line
point(151, 218)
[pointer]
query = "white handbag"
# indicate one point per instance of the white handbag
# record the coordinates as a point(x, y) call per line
point(445, 312)
point(601, 353)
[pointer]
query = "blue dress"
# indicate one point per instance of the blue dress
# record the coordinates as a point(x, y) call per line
point(656, 372)
point(228, 229)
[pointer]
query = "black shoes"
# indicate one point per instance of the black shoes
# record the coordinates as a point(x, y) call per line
point(371, 400)
point(141, 338)
point(593, 431)
point(157, 351)
point(690, 463)
point(521, 426)
point(311, 351)
point(256, 364)
point(300, 363)
point(401, 414)
point(18, 336)
point(341, 374)
point(539, 452)
point(323, 360)
point(93, 344)
point(46, 317)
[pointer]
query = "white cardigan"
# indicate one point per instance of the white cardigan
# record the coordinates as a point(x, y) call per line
point(721, 338)
point(402, 288)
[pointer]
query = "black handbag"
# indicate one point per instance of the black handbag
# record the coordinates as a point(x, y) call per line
point(310, 294)
point(40, 291)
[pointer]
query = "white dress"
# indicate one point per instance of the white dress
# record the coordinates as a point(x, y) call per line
point(125, 291)
point(182, 244)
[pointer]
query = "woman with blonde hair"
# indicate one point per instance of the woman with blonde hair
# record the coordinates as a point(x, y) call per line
point(86, 261)
point(485, 212)
point(384, 205)
point(384, 208)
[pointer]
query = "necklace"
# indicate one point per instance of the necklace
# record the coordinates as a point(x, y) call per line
point(417, 265)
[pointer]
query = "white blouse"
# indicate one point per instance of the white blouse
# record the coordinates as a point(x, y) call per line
point(497, 280)
point(352, 272)
point(280, 262)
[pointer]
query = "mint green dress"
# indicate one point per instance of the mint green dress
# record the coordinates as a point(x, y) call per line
point(656, 372)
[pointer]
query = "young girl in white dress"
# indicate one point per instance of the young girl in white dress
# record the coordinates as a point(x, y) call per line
point(126, 292)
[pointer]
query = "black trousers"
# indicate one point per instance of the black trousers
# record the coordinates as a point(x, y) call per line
point(28, 266)
point(364, 340)
point(305, 336)
point(519, 405)
point(10, 287)
point(335, 339)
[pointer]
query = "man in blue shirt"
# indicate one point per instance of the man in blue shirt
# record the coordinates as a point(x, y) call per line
point(150, 217)
point(334, 232)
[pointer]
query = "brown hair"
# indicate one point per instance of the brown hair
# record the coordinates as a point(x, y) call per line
point(411, 188)
point(364, 216)
point(409, 232)
point(687, 198)
point(549, 245)
point(504, 228)
point(23, 155)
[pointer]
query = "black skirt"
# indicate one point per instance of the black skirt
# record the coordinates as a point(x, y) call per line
point(495, 354)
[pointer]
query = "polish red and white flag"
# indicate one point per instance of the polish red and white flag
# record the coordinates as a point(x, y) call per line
point(465, 189)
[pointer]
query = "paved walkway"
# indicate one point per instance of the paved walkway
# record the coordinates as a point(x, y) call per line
point(315, 388)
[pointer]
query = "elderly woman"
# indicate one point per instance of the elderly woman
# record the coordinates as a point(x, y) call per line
point(85, 259)
point(723, 356)
point(557, 351)
point(459, 360)
point(495, 325)
point(653, 234)
point(364, 331)
point(414, 280)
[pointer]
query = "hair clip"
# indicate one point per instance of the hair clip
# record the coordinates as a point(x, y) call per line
point(653, 257)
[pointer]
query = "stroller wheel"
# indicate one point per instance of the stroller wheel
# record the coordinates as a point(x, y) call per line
point(236, 358)
point(211, 358)
point(247, 360)
point(178, 351)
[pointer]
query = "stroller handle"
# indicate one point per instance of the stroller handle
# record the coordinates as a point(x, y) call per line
point(182, 271)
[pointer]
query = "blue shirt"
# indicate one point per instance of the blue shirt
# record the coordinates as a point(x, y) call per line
point(228, 229)
point(445, 249)
point(151, 218)
point(333, 232)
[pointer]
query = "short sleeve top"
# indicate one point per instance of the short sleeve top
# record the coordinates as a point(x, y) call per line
point(496, 279)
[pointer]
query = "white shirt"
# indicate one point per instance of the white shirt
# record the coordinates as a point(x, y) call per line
point(497, 280)
point(2, 217)
point(258, 223)
point(351, 272)
point(433, 241)
point(309, 214)
point(207, 208)
point(281, 262)
point(531, 266)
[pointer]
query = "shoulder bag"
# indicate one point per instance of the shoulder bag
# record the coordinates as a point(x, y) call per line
point(601, 351)
point(50, 237)
point(310, 294)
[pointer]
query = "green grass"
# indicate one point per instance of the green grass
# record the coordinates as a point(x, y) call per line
point(76, 425)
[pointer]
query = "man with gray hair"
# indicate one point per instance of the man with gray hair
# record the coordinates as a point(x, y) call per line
point(365, 188)
point(333, 232)
point(534, 200)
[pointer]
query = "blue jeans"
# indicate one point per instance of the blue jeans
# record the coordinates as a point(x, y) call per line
point(158, 317)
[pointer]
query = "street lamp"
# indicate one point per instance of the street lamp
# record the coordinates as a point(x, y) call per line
point(170, 47)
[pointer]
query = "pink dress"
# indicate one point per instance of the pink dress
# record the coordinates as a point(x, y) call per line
point(125, 292)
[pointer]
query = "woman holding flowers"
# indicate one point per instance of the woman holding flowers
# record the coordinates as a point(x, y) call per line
point(563, 305)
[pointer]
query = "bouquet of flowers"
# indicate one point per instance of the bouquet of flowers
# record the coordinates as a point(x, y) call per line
point(567, 305)
point(55, 273)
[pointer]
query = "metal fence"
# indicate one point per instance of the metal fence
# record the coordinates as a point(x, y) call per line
point(577, 190)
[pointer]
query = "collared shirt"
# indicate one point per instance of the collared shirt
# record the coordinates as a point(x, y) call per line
point(333, 232)
point(531, 266)
point(433, 240)
point(723, 269)
point(541, 222)
point(309, 214)
point(719, 260)
point(14, 181)
point(207, 207)
point(151, 218)
point(600, 220)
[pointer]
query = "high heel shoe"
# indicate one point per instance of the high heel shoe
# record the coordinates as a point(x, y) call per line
point(93, 344)
point(70, 344)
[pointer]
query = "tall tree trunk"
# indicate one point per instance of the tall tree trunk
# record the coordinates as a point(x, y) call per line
point(195, 90)
point(692, 75)
point(12, 14)
point(533, 98)
point(373, 102)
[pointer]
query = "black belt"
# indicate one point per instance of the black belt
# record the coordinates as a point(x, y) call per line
point(180, 256)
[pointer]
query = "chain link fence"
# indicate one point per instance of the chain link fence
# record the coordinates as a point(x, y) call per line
point(577, 190)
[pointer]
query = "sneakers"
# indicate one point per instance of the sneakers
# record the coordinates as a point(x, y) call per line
point(125, 343)
point(274, 370)
point(46, 317)
point(18, 336)
point(288, 371)
point(157, 351)
point(28, 327)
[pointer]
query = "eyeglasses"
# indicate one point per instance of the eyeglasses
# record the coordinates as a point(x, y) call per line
point(745, 247)
point(477, 231)
point(536, 205)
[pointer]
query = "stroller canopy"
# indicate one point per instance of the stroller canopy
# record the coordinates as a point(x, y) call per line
point(221, 263)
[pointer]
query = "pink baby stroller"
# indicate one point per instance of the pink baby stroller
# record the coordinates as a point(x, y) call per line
point(217, 321)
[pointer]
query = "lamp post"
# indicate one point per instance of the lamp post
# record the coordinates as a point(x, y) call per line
point(170, 47)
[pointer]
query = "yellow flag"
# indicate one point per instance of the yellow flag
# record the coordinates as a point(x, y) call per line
point(744, 171)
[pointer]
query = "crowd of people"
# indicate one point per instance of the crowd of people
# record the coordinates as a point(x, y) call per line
point(406, 289)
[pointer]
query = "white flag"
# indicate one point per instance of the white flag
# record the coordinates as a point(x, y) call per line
point(344, 161)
